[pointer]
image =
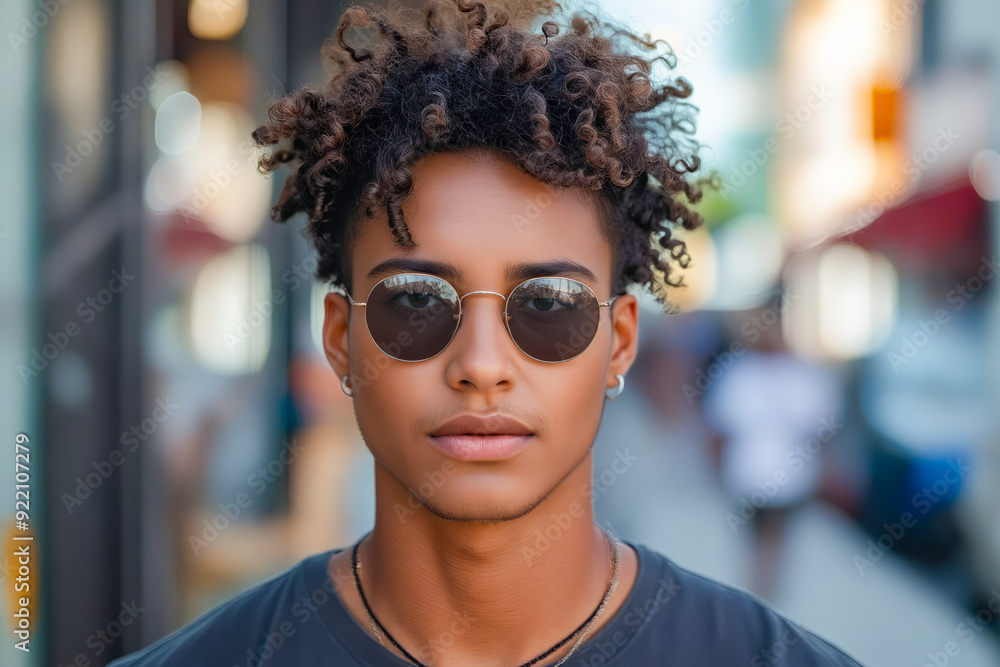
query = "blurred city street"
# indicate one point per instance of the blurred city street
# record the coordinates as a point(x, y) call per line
point(818, 423)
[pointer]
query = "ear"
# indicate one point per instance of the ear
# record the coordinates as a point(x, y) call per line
point(625, 337)
point(335, 328)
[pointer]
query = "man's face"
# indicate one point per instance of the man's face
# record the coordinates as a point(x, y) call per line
point(480, 215)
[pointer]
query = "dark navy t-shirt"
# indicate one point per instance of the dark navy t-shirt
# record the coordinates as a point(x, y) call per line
point(671, 617)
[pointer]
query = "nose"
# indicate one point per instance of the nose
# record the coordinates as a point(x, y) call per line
point(482, 347)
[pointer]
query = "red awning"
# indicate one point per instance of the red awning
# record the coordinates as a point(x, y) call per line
point(944, 226)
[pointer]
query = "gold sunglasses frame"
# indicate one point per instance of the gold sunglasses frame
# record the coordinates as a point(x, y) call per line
point(507, 317)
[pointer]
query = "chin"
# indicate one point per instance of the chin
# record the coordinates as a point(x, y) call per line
point(473, 501)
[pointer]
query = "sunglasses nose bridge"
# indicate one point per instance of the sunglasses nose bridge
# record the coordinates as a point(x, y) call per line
point(503, 308)
point(502, 314)
point(482, 292)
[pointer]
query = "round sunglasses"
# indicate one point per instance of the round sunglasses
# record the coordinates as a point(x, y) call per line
point(414, 316)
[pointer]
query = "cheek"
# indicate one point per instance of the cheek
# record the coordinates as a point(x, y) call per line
point(371, 369)
point(389, 408)
point(572, 399)
point(379, 389)
point(385, 407)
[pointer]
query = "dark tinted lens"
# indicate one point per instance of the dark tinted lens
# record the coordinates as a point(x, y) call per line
point(412, 317)
point(553, 319)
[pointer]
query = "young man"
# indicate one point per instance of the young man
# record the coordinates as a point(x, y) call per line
point(483, 194)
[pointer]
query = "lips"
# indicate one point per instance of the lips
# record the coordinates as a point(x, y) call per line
point(481, 437)
point(470, 424)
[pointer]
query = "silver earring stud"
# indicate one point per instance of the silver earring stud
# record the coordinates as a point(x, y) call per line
point(343, 386)
point(617, 391)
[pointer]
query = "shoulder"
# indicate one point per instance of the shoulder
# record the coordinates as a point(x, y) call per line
point(700, 620)
point(236, 629)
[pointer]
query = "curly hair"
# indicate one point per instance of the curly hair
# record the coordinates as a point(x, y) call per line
point(577, 110)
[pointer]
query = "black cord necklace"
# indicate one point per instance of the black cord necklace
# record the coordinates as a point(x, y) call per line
point(616, 564)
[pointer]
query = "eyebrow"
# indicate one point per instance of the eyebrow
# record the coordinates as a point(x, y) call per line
point(512, 272)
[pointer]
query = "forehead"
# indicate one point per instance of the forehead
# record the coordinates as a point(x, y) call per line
point(479, 214)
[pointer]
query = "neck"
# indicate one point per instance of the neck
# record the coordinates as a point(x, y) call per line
point(487, 593)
